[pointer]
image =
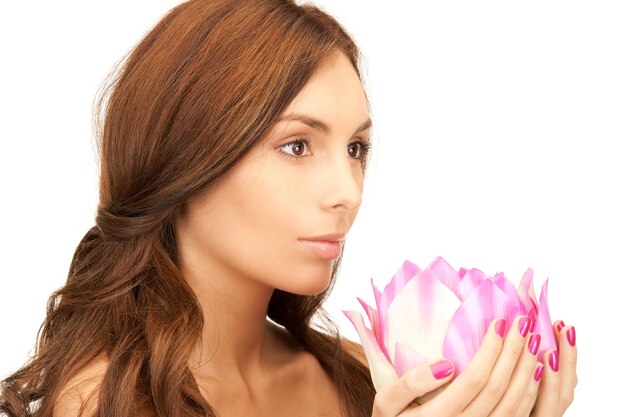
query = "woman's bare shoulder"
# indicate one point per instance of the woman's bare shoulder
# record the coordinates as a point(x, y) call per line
point(81, 391)
point(355, 349)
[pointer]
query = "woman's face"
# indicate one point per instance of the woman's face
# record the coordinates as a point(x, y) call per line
point(250, 223)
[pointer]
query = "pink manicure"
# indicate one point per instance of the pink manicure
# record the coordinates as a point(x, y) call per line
point(560, 325)
point(524, 326)
point(538, 372)
point(442, 369)
point(553, 360)
point(533, 344)
point(500, 327)
point(532, 324)
point(571, 336)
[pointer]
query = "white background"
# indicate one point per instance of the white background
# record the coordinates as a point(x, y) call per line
point(499, 133)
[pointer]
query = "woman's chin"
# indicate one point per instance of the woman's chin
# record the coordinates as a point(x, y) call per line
point(309, 287)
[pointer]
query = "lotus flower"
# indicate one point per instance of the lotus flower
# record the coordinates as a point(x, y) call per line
point(437, 312)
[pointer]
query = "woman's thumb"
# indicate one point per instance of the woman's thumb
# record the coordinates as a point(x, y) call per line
point(418, 383)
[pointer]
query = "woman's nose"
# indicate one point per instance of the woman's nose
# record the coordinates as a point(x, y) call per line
point(343, 184)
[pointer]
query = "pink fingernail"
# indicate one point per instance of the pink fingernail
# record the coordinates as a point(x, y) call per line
point(442, 369)
point(560, 325)
point(533, 344)
point(571, 336)
point(500, 327)
point(538, 372)
point(524, 326)
point(532, 324)
point(553, 360)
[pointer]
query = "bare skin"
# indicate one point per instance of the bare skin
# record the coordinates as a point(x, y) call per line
point(238, 241)
point(499, 382)
point(297, 385)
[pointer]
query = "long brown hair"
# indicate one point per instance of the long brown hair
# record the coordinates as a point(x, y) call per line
point(194, 95)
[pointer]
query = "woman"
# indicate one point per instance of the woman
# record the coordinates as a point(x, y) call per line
point(233, 152)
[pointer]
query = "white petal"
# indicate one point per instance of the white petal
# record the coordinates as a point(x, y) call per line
point(381, 370)
point(419, 316)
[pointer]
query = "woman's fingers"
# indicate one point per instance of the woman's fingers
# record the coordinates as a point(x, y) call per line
point(503, 379)
point(472, 380)
point(549, 395)
point(556, 391)
point(500, 376)
point(397, 397)
point(516, 396)
point(530, 396)
point(568, 355)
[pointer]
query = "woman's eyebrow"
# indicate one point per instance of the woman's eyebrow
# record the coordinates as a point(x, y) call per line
point(319, 125)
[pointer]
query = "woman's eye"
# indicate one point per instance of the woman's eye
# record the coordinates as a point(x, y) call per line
point(361, 150)
point(297, 147)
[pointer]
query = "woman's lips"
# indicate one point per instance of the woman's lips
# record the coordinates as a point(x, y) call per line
point(325, 249)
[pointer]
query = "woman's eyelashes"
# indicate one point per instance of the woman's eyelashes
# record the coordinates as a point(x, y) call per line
point(363, 149)
point(358, 149)
point(297, 146)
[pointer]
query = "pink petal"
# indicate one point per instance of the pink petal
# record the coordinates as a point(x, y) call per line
point(381, 370)
point(442, 270)
point(471, 322)
point(373, 317)
point(378, 296)
point(407, 271)
point(469, 282)
point(510, 290)
point(527, 295)
point(544, 323)
point(526, 290)
point(478, 274)
point(406, 359)
point(419, 316)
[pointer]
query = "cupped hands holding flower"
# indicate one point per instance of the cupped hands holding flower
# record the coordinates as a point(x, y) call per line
point(460, 343)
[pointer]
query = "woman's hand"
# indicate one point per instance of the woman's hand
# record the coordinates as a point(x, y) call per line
point(501, 381)
point(556, 392)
